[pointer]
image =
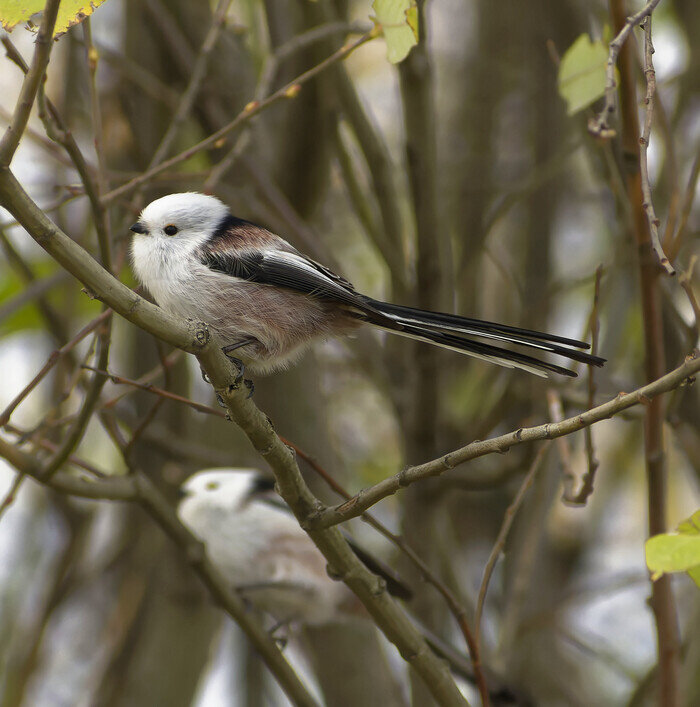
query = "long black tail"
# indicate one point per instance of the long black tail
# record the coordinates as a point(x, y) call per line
point(449, 332)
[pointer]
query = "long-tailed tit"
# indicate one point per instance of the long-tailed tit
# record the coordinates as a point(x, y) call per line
point(256, 543)
point(268, 302)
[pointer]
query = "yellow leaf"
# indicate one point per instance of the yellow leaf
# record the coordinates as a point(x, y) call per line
point(399, 23)
point(582, 73)
point(70, 12)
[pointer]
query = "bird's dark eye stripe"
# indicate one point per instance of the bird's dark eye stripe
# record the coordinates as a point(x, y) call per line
point(170, 230)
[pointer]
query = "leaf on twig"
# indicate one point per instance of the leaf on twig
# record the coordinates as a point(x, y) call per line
point(70, 12)
point(581, 78)
point(398, 20)
point(676, 552)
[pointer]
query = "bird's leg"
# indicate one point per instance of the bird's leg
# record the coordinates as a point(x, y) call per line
point(239, 364)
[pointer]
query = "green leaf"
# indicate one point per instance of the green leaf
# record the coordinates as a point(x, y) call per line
point(676, 552)
point(399, 22)
point(690, 526)
point(70, 12)
point(582, 73)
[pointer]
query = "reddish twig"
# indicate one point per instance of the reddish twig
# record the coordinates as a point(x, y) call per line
point(50, 363)
point(500, 544)
point(150, 388)
point(663, 601)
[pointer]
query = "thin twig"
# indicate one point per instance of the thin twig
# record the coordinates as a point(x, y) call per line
point(686, 282)
point(673, 245)
point(41, 442)
point(31, 84)
point(149, 376)
point(588, 480)
point(250, 111)
point(92, 395)
point(50, 363)
point(556, 414)
point(272, 64)
point(101, 219)
point(194, 85)
point(500, 543)
point(12, 492)
point(369, 496)
point(600, 126)
point(150, 388)
point(652, 218)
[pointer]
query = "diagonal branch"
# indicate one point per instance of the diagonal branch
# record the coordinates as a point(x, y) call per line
point(139, 489)
point(30, 85)
point(368, 497)
point(195, 338)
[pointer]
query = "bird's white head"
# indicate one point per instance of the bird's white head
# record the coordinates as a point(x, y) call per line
point(187, 216)
point(224, 487)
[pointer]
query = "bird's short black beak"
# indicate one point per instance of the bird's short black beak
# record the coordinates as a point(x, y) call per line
point(138, 227)
point(180, 493)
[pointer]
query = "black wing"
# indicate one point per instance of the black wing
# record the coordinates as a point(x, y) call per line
point(284, 269)
point(395, 585)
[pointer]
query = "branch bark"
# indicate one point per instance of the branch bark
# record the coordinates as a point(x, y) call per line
point(366, 498)
point(662, 601)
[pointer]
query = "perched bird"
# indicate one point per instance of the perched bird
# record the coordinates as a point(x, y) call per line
point(257, 544)
point(268, 302)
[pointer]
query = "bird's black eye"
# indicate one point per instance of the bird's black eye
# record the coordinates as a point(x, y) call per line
point(212, 485)
point(170, 230)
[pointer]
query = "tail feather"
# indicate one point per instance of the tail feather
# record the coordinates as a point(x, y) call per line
point(465, 324)
point(442, 330)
